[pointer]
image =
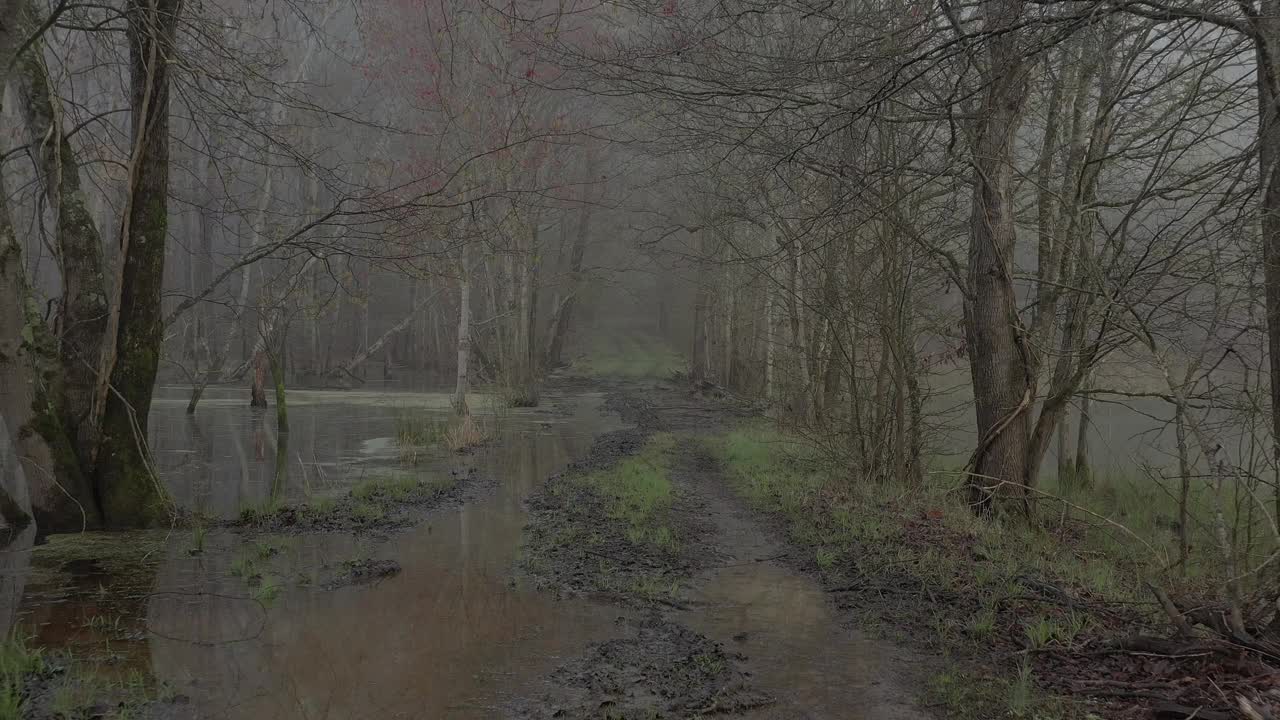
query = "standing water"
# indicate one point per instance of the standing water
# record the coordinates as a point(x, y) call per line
point(451, 635)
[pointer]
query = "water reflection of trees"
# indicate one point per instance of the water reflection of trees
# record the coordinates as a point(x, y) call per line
point(228, 457)
point(448, 636)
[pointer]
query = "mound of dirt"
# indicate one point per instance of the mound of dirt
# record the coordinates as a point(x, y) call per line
point(361, 572)
point(658, 669)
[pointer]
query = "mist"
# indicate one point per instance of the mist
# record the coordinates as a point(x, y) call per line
point(640, 358)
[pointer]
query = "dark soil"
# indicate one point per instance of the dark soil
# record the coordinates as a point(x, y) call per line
point(657, 669)
point(45, 697)
point(345, 514)
point(360, 572)
point(568, 549)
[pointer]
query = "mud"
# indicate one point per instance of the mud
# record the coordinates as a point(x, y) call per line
point(61, 691)
point(749, 632)
point(659, 668)
point(407, 612)
point(569, 550)
point(360, 572)
point(377, 514)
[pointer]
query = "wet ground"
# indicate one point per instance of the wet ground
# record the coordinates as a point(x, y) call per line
point(435, 620)
point(741, 632)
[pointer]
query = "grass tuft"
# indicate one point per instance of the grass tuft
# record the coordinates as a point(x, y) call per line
point(17, 662)
point(638, 494)
point(466, 434)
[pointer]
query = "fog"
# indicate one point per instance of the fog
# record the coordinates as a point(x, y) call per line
point(322, 269)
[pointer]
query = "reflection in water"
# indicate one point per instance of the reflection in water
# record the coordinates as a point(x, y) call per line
point(229, 456)
point(450, 636)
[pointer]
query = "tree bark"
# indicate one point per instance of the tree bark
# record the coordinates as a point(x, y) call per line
point(276, 360)
point(258, 387)
point(1268, 72)
point(1075, 356)
point(464, 332)
point(563, 314)
point(1000, 362)
point(1082, 471)
point(47, 431)
point(82, 308)
point(1184, 484)
point(700, 360)
point(130, 492)
point(21, 450)
point(346, 368)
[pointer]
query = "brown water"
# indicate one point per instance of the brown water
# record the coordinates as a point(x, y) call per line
point(453, 635)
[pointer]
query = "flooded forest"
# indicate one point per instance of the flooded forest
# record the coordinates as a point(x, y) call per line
point(638, 359)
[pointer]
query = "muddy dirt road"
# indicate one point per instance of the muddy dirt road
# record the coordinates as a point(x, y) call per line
point(738, 628)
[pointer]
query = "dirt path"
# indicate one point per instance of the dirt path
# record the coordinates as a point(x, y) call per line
point(794, 642)
point(749, 634)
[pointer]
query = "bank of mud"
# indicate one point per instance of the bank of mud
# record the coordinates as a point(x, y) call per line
point(378, 505)
point(573, 546)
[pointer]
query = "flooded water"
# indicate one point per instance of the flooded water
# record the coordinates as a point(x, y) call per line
point(454, 635)
point(228, 455)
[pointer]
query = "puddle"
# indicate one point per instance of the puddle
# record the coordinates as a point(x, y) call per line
point(796, 649)
point(225, 457)
point(451, 635)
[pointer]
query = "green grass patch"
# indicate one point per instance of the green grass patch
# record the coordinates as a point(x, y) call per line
point(964, 696)
point(417, 433)
point(322, 506)
point(369, 501)
point(1079, 544)
point(33, 684)
point(632, 356)
point(638, 494)
point(17, 662)
point(396, 487)
point(419, 428)
point(368, 512)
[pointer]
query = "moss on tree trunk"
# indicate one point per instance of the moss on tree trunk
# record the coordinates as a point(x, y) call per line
point(130, 493)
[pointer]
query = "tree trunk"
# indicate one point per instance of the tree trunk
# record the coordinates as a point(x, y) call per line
point(276, 360)
point(130, 492)
point(769, 343)
point(1075, 357)
point(258, 388)
point(349, 366)
point(22, 452)
point(1082, 473)
point(82, 309)
point(699, 359)
point(464, 336)
point(41, 475)
point(1184, 485)
point(1003, 386)
point(1268, 72)
point(563, 317)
